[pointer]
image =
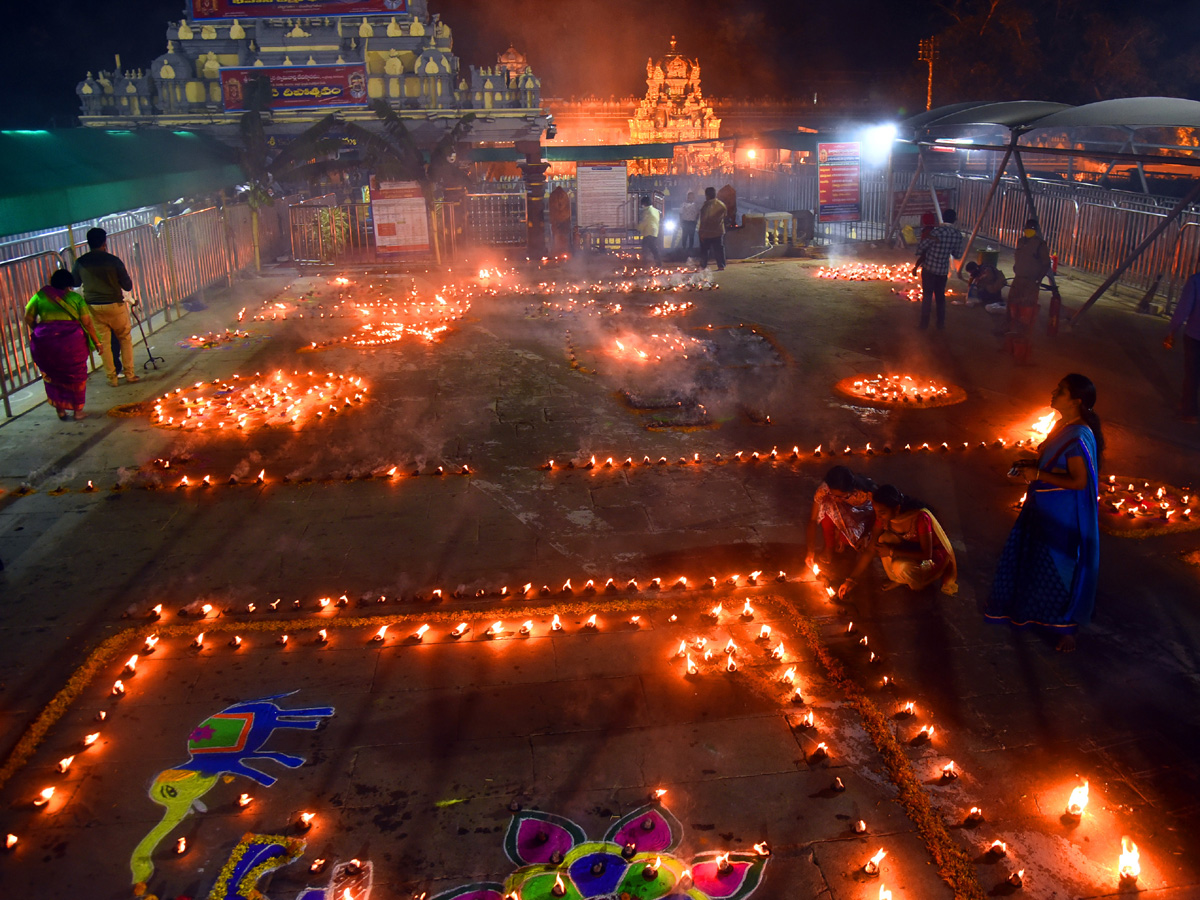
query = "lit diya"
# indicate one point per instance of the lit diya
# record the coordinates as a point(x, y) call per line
point(901, 274)
point(389, 321)
point(904, 391)
point(214, 339)
point(280, 399)
point(1134, 507)
point(867, 272)
point(626, 281)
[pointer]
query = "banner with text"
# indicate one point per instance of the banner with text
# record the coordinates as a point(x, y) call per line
point(602, 196)
point(278, 9)
point(295, 87)
point(398, 210)
point(839, 194)
point(919, 203)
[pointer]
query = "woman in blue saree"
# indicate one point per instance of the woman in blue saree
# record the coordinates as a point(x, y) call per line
point(1048, 570)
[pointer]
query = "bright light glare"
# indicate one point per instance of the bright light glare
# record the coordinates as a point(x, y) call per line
point(752, 154)
point(669, 225)
point(877, 142)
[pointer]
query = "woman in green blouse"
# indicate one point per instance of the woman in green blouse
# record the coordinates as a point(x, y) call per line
point(62, 338)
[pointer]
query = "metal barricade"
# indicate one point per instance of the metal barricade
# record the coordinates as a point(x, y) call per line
point(20, 279)
point(1089, 228)
point(177, 258)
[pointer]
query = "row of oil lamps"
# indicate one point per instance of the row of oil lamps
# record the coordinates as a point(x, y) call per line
point(1128, 867)
point(1128, 864)
point(525, 591)
point(774, 454)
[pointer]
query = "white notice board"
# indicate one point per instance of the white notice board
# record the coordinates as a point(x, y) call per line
point(398, 209)
point(602, 195)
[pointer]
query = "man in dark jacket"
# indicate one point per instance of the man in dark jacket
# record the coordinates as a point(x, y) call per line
point(104, 279)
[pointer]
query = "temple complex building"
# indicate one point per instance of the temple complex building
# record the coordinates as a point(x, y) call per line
point(674, 108)
point(674, 111)
point(323, 61)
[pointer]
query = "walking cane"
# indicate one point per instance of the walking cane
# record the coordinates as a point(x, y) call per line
point(137, 259)
point(153, 360)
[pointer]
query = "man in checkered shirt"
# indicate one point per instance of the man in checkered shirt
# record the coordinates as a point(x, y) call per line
point(933, 256)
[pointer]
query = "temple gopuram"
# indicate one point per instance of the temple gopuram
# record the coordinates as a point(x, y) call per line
point(320, 56)
point(673, 111)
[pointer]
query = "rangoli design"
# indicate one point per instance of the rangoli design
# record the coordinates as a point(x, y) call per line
point(634, 860)
point(252, 859)
point(222, 744)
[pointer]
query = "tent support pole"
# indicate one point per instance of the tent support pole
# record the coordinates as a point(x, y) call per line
point(912, 183)
point(1140, 249)
point(987, 204)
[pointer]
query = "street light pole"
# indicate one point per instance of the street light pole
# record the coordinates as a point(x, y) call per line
point(927, 52)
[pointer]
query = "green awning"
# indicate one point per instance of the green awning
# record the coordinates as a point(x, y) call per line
point(53, 178)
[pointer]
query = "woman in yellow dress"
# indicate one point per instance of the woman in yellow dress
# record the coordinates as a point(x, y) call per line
point(910, 543)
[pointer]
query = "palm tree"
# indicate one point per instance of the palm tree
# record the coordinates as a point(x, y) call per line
point(309, 156)
point(393, 155)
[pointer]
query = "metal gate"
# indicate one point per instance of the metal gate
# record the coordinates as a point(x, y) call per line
point(328, 234)
point(497, 220)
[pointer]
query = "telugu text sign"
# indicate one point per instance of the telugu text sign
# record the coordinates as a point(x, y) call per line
point(296, 87)
point(275, 9)
point(602, 196)
point(839, 193)
point(398, 211)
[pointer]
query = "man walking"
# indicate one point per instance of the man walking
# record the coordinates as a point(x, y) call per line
point(1187, 317)
point(933, 255)
point(104, 277)
point(648, 229)
point(711, 229)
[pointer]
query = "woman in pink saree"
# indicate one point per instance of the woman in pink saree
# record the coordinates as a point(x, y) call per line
point(61, 340)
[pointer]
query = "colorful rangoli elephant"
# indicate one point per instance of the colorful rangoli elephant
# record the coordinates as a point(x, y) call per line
point(222, 744)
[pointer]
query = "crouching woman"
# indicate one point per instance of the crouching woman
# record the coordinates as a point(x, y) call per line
point(910, 543)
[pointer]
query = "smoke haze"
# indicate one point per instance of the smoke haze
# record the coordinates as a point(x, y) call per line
point(585, 47)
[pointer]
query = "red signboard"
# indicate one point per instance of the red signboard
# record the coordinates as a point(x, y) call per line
point(839, 196)
point(278, 9)
point(296, 87)
point(919, 202)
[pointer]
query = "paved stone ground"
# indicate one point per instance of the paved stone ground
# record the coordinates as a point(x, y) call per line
point(584, 724)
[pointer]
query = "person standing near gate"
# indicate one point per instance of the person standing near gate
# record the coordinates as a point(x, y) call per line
point(1031, 262)
point(711, 229)
point(689, 214)
point(933, 254)
point(104, 279)
point(1187, 317)
point(560, 220)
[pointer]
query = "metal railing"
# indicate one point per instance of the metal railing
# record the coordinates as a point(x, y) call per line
point(325, 232)
point(21, 277)
point(1090, 228)
point(18, 245)
point(180, 257)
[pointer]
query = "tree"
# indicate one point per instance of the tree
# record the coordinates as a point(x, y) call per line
point(311, 154)
point(393, 155)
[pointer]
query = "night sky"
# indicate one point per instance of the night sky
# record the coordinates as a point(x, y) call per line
point(577, 47)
